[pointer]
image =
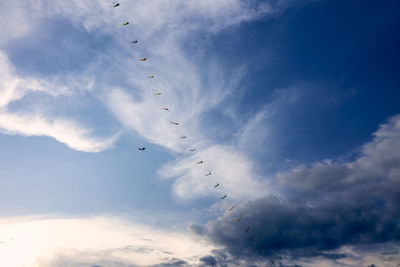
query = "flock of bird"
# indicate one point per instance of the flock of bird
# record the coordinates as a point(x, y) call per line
point(125, 23)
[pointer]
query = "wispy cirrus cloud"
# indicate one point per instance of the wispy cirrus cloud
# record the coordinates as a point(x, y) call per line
point(172, 36)
point(190, 87)
point(67, 131)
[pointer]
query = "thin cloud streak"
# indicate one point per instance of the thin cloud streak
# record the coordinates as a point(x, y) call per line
point(67, 131)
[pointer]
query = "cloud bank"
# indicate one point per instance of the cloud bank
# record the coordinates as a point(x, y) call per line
point(95, 241)
point(330, 210)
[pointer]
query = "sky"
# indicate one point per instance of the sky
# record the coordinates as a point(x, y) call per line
point(291, 107)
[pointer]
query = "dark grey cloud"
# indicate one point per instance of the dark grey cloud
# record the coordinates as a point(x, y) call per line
point(197, 229)
point(321, 207)
point(209, 261)
point(221, 258)
point(392, 252)
point(172, 262)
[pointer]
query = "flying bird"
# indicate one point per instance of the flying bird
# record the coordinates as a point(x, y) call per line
point(223, 197)
point(183, 137)
point(192, 150)
point(143, 59)
point(215, 186)
point(141, 148)
point(115, 5)
point(157, 93)
point(200, 162)
point(125, 23)
point(150, 77)
point(240, 218)
point(247, 230)
point(165, 109)
point(208, 174)
point(232, 208)
point(174, 123)
point(134, 41)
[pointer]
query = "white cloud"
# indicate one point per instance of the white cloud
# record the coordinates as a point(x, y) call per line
point(257, 129)
point(13, 88)
point(100, 240)
point(181, 82)
point(190, 85)
point(382, 154)
point(190, 88)
point(15, 19)
point(231, 169)
point(378, 158)
point(69, 132)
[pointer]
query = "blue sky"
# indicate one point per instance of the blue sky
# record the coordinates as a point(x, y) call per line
point(292, 106)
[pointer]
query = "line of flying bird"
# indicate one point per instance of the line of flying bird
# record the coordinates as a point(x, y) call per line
point(125, 23)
